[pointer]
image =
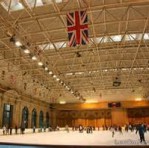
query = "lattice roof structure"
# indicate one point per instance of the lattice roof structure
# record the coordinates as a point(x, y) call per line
point(117, 51)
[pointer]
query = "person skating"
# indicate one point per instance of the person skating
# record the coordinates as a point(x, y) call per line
point(141, 131)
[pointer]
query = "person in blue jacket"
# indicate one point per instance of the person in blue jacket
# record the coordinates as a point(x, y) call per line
point(141, 131)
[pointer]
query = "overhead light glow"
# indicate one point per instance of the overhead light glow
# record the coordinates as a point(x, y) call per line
point(91, 101)
point(46, 68)
point(54, 76)
point(40, 63)
point(68, 88)
point(72, 92)
point(26, 51)
point(18, 43)
point(50, 72)
point(57, 79)
point(61, 82)
point(62, 102)
point(138, 99)
point(34, 58)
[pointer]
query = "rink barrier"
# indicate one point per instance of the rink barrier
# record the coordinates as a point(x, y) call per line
point(14, 145)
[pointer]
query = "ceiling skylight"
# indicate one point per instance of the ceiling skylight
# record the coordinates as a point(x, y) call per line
point(132, 37)
point(99, 40)
point(36, 3)
point(106, 70)
point(59, 45)
point(58, 1)
point(32, 3)
point(12, 5)
point(116, 38)
point(50, 46)
point(146, 36)
point(46, 46)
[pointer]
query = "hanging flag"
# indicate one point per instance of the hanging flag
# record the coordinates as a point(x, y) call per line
point(77, 26)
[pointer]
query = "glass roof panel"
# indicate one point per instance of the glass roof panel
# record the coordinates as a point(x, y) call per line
point(116, 38)
point(46, 46)
point(146, 36)
point(12, 5)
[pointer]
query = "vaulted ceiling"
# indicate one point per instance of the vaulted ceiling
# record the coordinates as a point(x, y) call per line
point(118, 50)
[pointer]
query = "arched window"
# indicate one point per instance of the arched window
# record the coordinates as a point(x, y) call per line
point(25, 117)
point(41, 119)
point(7, 115)
point(34, 118)
point(47, 119)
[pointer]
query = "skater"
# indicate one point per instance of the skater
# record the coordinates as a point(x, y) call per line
point(113, 131)
point(67, 128)
point(81, 128)
point(120, 129)
point(34, 129)
point(4, 130)
point(141, 131)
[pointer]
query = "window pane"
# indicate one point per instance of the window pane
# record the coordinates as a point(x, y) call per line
point(7, 115)
point(7, 107)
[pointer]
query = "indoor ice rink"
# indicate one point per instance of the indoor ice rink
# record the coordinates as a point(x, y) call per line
point(74, 73)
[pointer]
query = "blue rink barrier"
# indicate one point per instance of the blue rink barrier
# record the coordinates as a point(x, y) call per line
point(12, 145)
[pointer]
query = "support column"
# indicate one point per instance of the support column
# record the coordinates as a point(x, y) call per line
point(44, 120)
point(17, 113)
point(53, 118)
point(1, 110)
point(37, 121)
point(29, 119)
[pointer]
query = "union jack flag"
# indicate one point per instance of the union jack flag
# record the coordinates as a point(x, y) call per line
point(77, 26)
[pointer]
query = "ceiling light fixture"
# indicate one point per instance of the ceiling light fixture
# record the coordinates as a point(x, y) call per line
point(34, 58)
point(18, 43)
point(40, 63)
point(72, 92)
point(54, 76)
point(57, 79)
point(138, 99)
point(67, 87)
point(50, 72)
point(116, 82)
point(62, 102)
point(46, 68)
point(26, 51)
point(64, 84)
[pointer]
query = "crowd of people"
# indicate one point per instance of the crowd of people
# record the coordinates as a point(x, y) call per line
point(8, 130)
point(139, 129)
